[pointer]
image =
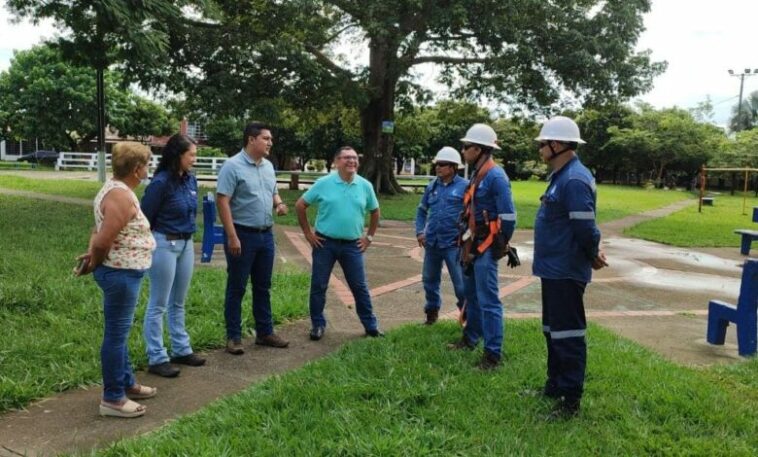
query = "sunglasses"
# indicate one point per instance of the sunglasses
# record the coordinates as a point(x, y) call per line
point(468, 145)
point(444, 164)
point(542, 144)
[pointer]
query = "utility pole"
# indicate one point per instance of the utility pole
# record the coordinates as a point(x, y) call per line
point(742, 85)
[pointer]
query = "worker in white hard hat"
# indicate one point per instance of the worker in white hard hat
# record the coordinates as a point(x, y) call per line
point(437, 230)
point(487, 223)
point(566, 249)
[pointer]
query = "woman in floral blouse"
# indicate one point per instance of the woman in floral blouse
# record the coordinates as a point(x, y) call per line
point(120, 251)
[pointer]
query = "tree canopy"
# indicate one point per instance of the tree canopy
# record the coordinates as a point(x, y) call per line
point(44, 96)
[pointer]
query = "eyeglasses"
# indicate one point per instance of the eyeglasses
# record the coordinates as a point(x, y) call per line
point(444, 164)
point(542, 144)
point(468, 145)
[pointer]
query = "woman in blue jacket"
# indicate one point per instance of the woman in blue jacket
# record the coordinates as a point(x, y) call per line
point(170, 204)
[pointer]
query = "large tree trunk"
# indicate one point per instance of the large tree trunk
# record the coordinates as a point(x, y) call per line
point(377, 165)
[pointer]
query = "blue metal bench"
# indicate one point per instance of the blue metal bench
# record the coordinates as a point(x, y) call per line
point(213, 233)
point(748, 235)
point(720, 314)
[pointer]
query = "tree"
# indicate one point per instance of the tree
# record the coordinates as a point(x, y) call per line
point(133, 33)
point(44, 96)
point(520, 52)
point(747, 117)
point(141, 118)
point(598, 154)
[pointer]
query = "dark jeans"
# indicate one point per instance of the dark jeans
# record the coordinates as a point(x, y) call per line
point(350, 259)
point(120, 292)
point(256, 263)
point(564, 326)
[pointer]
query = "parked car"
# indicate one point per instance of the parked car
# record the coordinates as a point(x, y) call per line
point(45, 157)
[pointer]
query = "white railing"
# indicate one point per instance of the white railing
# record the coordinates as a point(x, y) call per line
point(88, 161)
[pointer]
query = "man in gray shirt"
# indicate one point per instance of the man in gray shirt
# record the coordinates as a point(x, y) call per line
point(246, 197)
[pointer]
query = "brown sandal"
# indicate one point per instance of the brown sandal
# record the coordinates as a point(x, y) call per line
point(127, 410)
point(140, 392)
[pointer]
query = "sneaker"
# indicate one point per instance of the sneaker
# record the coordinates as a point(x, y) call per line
point(375, 333)
point(489, 361)
point(317, 333)
point(431, 316)
point(234, 347)
point(463, 343)
point(273, 340)
point(164, 369)
point(191, 359)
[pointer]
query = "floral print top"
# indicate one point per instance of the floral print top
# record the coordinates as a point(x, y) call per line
point(134, 245)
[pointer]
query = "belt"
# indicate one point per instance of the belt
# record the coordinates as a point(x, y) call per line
point(337, 240)
point(245, 228)
point(178, 236)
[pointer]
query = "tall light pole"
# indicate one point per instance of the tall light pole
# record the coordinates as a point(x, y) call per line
point(742, 85)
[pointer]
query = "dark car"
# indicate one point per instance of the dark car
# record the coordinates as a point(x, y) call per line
point(47, 157)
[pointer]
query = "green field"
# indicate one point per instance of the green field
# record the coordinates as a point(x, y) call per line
point(614, 202)
point(713, 227)
point(52, 321)
point(406, 395)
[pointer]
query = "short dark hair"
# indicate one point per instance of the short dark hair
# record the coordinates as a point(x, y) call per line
point(172, 153)
point(343, 148)
point(253, 129)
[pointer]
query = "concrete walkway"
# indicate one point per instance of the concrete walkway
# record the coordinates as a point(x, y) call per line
point(654, 294)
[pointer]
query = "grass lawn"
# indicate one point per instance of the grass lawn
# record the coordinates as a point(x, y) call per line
point(407, 395)
point(614, 202)
point(52, 321)
point(713, 227)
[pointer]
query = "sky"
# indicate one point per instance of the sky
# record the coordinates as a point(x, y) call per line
point(700, 39)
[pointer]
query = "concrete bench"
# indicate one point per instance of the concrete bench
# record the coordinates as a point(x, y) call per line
point(747, 239)
point(720, 314)
point(213, 233)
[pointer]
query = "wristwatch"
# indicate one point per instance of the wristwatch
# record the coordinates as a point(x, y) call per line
point(370, 238)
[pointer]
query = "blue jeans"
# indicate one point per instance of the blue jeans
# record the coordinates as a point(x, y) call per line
point(120, 292)
point(170, 275)
point(351, 260)
point(255, 263)
point(484, 310)
point(432, 273)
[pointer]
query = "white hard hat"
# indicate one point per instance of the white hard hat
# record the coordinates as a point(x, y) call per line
point(560, 128)
point(448, 154)
point(481, 134)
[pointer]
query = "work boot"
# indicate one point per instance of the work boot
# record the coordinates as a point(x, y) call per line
point(463, 343)
point(273, 340)
point(489, 361)
point(190, 359)
point(431, 316)
point(234, 347)
point(566, 408)
point(164, 369)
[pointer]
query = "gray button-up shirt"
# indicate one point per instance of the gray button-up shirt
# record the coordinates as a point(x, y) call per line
point(251, 188)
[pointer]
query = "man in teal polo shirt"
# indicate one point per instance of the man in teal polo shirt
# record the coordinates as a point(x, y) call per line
point(343, 198)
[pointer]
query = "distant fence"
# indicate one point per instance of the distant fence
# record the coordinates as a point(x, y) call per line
point(206, 169)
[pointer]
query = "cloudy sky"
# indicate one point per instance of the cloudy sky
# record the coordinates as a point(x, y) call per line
point(700, 40)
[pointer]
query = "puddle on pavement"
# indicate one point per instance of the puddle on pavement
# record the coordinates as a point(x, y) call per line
point(628, 261)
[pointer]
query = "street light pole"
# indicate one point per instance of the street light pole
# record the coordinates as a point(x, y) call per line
point(742, 85)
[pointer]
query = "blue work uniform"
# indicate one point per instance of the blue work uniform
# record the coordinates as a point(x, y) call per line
point(437, 219)
point(484, 310)
point(566, 241)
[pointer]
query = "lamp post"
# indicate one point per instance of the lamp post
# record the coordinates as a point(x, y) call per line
point(742, 75)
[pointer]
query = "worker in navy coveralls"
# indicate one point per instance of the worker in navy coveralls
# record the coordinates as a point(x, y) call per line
point(437, 230)
point(566, 249)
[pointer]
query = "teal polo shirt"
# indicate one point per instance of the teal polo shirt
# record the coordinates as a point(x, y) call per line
point(342, 206)
point(250, 187)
